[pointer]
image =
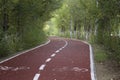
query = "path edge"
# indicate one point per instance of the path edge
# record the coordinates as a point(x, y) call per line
point(23, 52)
point(92, 64)
point(93, 71)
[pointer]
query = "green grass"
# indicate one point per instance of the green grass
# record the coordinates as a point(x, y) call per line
point(100, 54)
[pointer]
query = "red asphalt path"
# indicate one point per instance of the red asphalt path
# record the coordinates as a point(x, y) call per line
point(61, 59)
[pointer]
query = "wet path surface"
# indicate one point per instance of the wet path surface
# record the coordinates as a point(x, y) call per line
point(61, 59)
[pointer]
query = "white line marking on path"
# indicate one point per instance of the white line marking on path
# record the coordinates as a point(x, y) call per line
point(48, 60)
point(36, 76)
point(92, 67)
point(57, 51)
point(53, 55)
point(93, 77)
point(42, 67)
point(60, 49)
point(63, 47)
point(25, 52)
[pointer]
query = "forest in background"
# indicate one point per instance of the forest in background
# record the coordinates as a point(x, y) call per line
point(27, 23)
point(96, 21)
point(21, 23)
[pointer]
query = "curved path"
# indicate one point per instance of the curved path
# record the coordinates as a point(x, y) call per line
point(58, 59)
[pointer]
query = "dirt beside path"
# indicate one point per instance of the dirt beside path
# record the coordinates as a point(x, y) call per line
point(108, 70)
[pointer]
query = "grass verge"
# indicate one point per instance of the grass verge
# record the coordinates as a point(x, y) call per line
point(99, 53)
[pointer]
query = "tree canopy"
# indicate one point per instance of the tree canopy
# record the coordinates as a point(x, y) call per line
point(25, 23)
point(92, 20)
point(21, 23)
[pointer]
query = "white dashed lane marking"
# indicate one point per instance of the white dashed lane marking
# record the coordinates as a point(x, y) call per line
point(60, 49)
point(42, 67)
point(57, 51)
point(36, 77)
point(53, 55)
point(48, 60)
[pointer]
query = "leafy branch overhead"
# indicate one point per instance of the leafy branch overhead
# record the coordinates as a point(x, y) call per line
point(26, 23)
point(21, 23)
point(92, 20)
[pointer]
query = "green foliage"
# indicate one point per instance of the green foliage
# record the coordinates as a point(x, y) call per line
point(21, 23)
point(33, 36)
point(108, 26)
point(100, 56)
point(25, 23)
point(9, 44)
point(91, 20)
point(3, 49)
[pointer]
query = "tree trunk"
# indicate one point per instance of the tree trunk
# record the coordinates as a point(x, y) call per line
point(5, 17)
